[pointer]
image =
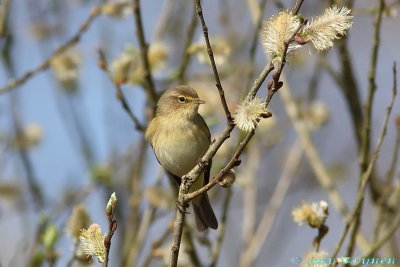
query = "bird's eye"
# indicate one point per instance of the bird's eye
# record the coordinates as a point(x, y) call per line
point(182, 99)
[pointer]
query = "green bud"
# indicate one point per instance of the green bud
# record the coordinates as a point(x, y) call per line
point(112, 203)
point(50, 236)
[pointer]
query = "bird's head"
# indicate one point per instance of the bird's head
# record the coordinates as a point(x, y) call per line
point(179, 101)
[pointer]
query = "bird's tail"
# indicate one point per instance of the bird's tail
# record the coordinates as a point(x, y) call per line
point(204, 216)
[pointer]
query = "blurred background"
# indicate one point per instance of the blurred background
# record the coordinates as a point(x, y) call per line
point(65, 139)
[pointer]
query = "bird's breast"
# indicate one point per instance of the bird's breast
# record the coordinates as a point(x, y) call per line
point(180, 146)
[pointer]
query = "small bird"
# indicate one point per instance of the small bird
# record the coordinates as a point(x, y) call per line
point(180, 137)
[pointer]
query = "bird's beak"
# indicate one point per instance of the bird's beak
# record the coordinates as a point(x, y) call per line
point(199, 101)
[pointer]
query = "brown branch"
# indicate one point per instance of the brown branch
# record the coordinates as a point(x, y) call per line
point(95, 12)
point(199, 12)
point(371, 89)
point(149, 84)
point(119, 94)
point(264, 73)
point(297, 7)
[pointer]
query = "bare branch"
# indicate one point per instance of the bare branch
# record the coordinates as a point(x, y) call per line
point(199, 12)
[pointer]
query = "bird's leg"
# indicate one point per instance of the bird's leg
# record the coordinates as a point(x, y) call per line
point(181, 206)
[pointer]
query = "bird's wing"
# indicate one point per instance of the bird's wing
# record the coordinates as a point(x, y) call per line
point(171, 175)
point(208, 167)
point(201, 120)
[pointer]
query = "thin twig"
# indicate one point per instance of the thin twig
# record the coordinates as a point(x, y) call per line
point(367, 174)
point(366, 135)
point(371, 88)
point(388, 191)
point(149, 84)
point(95, 12)
point(218, 84)
point(297, 7)
point(119, 93)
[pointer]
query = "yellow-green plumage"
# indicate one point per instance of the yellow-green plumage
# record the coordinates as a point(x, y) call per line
point(180, 137)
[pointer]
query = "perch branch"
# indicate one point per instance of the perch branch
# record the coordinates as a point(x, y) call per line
point(188, 179)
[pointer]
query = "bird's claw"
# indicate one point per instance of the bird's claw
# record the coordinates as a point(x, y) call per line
point(182, 207)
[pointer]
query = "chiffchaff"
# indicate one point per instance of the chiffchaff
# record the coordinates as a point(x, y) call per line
point(180, 137)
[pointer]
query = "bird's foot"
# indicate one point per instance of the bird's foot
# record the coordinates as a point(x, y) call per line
point(182, 207)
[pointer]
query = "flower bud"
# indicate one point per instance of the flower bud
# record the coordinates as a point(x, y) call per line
point(228, 179)
point(112, 203)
